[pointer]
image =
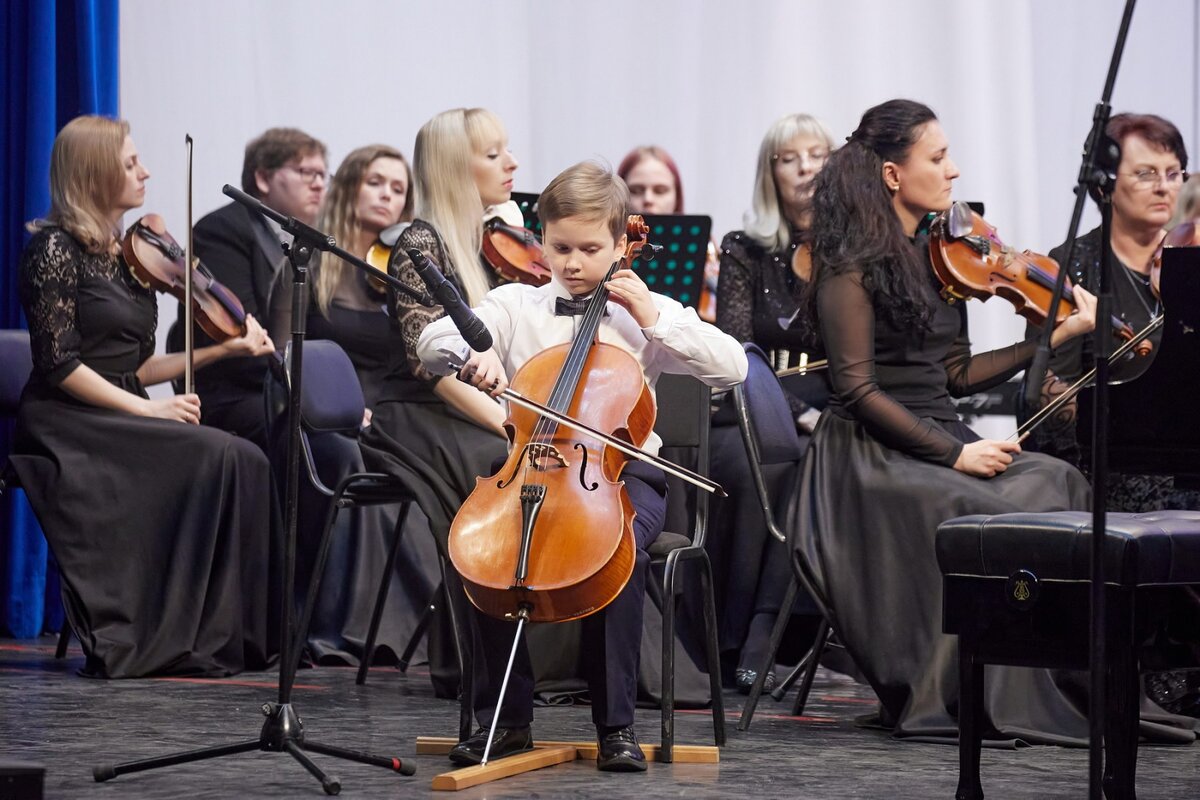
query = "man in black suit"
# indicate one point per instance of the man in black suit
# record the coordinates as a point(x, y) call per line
point(286, 169)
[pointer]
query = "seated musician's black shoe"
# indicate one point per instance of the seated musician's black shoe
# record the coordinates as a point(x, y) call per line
point(507, 742)
point(620, 752)
point(744, 679)
point(1178, 692)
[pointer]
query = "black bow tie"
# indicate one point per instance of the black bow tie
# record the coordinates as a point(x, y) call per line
point(570, 306)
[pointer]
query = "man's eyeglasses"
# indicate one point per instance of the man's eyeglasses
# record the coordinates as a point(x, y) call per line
point(1147, 178)
point(310, 175)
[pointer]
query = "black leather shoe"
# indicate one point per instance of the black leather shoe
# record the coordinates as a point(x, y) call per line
point(620, 752)
point(508, 741)
point(743, 679)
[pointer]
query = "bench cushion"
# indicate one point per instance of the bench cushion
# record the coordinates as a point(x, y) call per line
point(1160, 548)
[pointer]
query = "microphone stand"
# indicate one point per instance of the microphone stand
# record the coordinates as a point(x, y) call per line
point(1097, 175)
point(283, 730)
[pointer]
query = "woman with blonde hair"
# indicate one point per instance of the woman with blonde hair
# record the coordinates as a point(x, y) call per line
point(162, 556)
point(764, 271)
point(439, 434)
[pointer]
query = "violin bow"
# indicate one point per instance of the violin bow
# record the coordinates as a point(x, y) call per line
point(189, 376)
point(1053, 406)
point(628, 449)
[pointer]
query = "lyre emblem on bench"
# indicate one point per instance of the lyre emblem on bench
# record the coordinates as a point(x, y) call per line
point(1021, 591)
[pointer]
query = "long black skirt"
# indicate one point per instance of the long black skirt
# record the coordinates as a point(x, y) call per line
point(162, 533)
point(865, 517)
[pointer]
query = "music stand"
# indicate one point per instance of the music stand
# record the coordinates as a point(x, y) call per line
point(678, 269)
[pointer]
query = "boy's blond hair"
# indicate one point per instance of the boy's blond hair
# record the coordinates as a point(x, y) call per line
point(589, 190)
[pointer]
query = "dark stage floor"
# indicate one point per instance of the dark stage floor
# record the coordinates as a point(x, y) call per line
point(51, 717)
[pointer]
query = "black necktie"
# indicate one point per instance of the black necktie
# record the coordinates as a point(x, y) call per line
point(570, 306)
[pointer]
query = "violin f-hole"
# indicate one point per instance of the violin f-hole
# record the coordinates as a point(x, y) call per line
point(583, 469)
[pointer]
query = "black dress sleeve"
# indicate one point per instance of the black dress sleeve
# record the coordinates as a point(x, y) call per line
point(848, 331)
point(967, 374)
point(408, 315)
point(735, 289)
point(49, 284)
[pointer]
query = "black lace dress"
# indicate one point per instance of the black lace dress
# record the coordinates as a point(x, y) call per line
point(877, 481)
point(160, 529)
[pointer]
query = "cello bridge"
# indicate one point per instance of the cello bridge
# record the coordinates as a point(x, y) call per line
point(544, 456)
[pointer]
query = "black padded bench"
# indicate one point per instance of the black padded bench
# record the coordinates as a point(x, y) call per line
point(1016, 592)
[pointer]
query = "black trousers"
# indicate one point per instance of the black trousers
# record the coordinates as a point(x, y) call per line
point(611, 638)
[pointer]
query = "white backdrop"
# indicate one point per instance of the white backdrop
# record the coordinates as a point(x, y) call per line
point(1014, 82)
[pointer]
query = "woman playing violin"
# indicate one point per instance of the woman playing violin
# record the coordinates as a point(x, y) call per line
point(441, 434)
point(192, 506)
point(1149, 178)
point(369, 192)
point(889, 459)
point(762, 284)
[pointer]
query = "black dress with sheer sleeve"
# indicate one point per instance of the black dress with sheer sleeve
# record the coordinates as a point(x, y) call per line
point(160, 529)
point(878, 480)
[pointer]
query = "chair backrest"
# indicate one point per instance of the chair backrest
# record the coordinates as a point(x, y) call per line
point(331, 413)
point(683, 420)
point(331, 397)
point(769, 434)
point(16, 365)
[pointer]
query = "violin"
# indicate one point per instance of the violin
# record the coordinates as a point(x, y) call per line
point(970, 260)
point(549, 537)
point(515, 253)
point(380, 253)
point(1185, 234)
point(158, 262)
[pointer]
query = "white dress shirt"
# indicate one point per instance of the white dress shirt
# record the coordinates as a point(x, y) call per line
point(522, 322)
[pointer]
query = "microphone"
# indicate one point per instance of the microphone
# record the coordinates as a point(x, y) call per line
point(476, 334)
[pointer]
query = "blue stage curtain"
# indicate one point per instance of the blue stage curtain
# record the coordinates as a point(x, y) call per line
point(60, 61)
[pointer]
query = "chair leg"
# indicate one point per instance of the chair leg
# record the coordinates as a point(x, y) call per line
point(970, 721)
point(785, 611)
point(1121, 715)
point(714, 654)
point(422, 625)
point(452, 586)
point(667, 749)
point(300, 633)
point(810, 672)
point(385, 582)
point(64, 640)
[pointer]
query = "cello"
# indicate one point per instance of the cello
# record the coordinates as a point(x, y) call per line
point(549, 538)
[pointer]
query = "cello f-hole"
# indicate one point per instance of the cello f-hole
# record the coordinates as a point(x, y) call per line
point(583, 469)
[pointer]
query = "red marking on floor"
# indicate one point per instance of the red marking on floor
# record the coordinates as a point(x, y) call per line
point(862, 701)
point(231, 682)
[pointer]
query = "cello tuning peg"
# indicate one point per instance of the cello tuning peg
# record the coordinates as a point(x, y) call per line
point(650, 251)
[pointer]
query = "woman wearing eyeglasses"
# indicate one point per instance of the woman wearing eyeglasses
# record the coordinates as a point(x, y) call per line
point(762, 282)
point(1149, 178)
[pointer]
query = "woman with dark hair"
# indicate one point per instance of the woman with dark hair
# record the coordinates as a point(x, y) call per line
point(889, 459)
point(1150, 177)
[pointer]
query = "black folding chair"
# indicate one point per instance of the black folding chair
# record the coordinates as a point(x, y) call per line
point(683, 422)
point(332, 407)
point(769, 434)
point(16, 365)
